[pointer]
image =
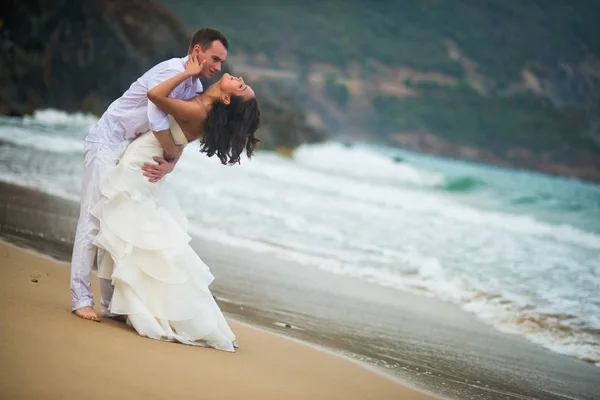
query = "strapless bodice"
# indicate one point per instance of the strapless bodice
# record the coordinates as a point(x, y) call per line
point(176, 132)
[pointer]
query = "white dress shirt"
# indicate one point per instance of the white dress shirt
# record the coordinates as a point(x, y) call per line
point(132, 114)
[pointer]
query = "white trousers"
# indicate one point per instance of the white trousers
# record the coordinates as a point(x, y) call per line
point(97, 158)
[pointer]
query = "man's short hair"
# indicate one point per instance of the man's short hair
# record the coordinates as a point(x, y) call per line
point(205, 37)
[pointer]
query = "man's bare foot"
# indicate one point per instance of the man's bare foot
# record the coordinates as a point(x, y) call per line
point(87, 313)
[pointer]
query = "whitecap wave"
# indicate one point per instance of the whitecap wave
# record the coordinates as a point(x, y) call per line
point(23, 137)
point(283, 174)
point(53, 117)
point(48, 130)
point(559, 332)
point(360, 163)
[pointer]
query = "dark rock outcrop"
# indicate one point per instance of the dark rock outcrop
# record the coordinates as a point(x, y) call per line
point(81, 55)
point(284, 124)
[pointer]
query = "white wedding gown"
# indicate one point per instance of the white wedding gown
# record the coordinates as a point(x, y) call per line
point(160, 282)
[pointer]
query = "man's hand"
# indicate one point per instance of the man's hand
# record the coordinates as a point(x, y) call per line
point(156, 172)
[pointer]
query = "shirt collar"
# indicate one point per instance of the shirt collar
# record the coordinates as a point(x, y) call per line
point(189, 81)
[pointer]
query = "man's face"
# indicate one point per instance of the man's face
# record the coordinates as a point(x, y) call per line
point(215, 55)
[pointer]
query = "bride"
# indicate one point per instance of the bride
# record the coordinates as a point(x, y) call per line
point(161, 285)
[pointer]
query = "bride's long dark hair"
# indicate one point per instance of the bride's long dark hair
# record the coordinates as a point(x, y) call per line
point(230, 128)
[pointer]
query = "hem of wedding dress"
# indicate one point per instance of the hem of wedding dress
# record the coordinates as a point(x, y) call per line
point(177, 338)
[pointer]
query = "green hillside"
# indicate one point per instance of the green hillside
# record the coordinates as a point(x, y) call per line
point(500, 35)
point(488, 104)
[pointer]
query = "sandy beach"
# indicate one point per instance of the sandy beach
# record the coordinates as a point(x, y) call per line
point(427, 344)
point(47, 353)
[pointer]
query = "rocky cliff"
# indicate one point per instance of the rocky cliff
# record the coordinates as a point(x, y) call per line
point(81, 55)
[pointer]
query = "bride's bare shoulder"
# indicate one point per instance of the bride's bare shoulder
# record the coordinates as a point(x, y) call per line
point(199, 107)
point(191, 110)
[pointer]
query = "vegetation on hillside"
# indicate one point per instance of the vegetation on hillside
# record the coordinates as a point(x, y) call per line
point(336, 91)
point(501, 36)
point(488, 122)
point(498, 38)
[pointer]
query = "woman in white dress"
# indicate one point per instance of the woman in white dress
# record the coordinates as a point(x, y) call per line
point(161, 285)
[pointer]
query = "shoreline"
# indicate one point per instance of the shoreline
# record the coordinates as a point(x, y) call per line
point(425, 343)
point(521, 160)
point(267, 365)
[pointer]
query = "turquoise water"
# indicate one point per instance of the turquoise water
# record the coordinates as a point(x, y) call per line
point(553, 199)
point(518, 249)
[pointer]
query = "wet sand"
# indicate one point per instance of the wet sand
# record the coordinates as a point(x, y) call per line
point(48, 353)
point(429, 344)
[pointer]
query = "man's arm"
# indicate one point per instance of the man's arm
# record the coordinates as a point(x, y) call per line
point(170, 149)
point(165, 165)
point(159, 123)
point(161, 94)
point(162, 100)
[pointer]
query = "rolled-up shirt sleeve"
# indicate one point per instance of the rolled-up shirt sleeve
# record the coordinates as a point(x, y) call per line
point(158, 118)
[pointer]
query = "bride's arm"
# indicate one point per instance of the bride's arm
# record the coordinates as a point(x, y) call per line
point(179, 109)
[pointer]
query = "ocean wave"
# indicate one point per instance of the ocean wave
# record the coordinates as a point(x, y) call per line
point(557, 203)
point(462, 184)
point(559, 332)
point(48, 130)
point(58, 118)
point(358, 163)
point(521, 200)
point(523, 224)
point(23, 137)
point(276, 175)
point(428, 204)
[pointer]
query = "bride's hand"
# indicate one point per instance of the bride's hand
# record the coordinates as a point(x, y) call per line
point(193, 66)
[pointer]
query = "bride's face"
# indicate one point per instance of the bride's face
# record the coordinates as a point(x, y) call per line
point(233, 86)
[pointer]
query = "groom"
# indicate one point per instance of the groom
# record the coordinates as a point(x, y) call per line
point(126, 118)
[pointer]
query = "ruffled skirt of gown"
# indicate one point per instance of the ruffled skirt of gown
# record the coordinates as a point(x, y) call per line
point(160, 282)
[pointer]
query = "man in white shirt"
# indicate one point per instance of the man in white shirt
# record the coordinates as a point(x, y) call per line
point(126, 118)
